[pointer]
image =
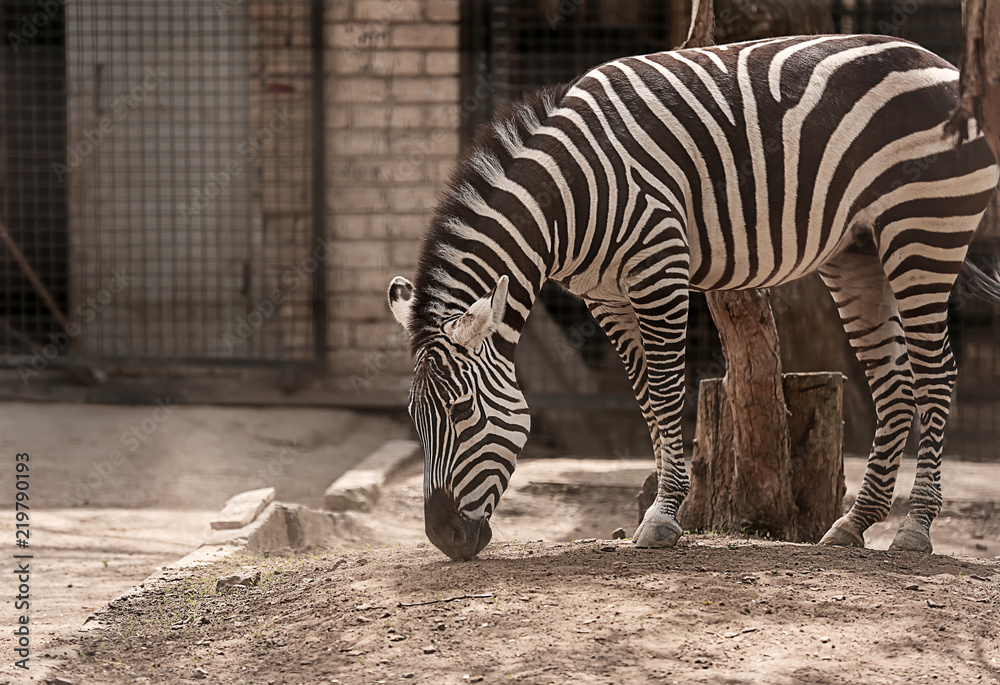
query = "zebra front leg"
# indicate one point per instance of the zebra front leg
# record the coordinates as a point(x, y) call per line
point(870, 317)
point(618, 321)
point(659, 527)
point(662, 324)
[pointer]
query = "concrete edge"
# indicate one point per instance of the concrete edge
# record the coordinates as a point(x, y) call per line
point(360, 487)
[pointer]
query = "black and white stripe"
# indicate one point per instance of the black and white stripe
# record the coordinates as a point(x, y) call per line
point(731, 167)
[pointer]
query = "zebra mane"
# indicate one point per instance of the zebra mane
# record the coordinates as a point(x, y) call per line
point(440, 290)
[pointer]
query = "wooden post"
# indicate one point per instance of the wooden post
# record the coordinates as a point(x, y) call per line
point(762, 492)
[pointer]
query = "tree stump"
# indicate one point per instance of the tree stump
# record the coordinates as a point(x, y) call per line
point(815, 432)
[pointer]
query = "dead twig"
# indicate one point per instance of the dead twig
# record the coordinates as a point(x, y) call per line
point(447, 599)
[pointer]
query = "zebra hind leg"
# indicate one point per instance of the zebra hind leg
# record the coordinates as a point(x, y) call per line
point(870, 317)
point(923, 304)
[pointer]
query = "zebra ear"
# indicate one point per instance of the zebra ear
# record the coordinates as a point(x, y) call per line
point(482, 318)
point(401, 300)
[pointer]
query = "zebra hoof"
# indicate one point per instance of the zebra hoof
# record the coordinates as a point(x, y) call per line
point(658, 534)
point(911, 537)
point(842, 534)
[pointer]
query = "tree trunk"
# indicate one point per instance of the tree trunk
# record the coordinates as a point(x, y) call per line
point(979, 84)
point(816, 467)
point(762, 493)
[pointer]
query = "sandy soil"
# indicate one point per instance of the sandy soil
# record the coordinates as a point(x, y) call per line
point(119, 491)
point(712, 610)
point(590, 611)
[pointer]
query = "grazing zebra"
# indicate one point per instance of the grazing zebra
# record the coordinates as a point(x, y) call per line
point(723, 168)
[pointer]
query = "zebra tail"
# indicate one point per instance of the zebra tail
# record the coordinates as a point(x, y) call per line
point(979, 283)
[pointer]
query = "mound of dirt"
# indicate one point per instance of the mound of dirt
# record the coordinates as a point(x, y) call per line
point(711, 610)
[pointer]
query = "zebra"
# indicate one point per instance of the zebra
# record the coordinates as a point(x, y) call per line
point(722, 168)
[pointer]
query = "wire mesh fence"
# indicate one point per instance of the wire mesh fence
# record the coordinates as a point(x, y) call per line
point(155, 177)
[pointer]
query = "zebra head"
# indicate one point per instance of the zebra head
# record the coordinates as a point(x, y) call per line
point(470, 415)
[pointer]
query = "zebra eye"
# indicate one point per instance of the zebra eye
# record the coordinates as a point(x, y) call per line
point(462, 408)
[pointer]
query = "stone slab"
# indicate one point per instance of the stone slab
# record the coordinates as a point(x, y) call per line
point(240, 510)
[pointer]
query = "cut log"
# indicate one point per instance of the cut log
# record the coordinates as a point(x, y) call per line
point(815, 430)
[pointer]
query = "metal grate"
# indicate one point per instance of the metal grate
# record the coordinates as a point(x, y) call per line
point(156, 171)
point(518, 45)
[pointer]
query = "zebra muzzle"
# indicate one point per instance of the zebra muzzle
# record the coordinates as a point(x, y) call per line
point(451, 531)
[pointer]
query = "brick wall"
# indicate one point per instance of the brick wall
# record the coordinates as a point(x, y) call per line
point(392, 115)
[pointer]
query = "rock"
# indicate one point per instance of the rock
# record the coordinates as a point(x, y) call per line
point(245, 581)
point(619, 534)
point(199, 674)
point(430, 649)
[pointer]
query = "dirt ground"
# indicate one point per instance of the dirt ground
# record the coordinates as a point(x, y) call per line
point(592, 611)
point(712, 610)
point(117, 492)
